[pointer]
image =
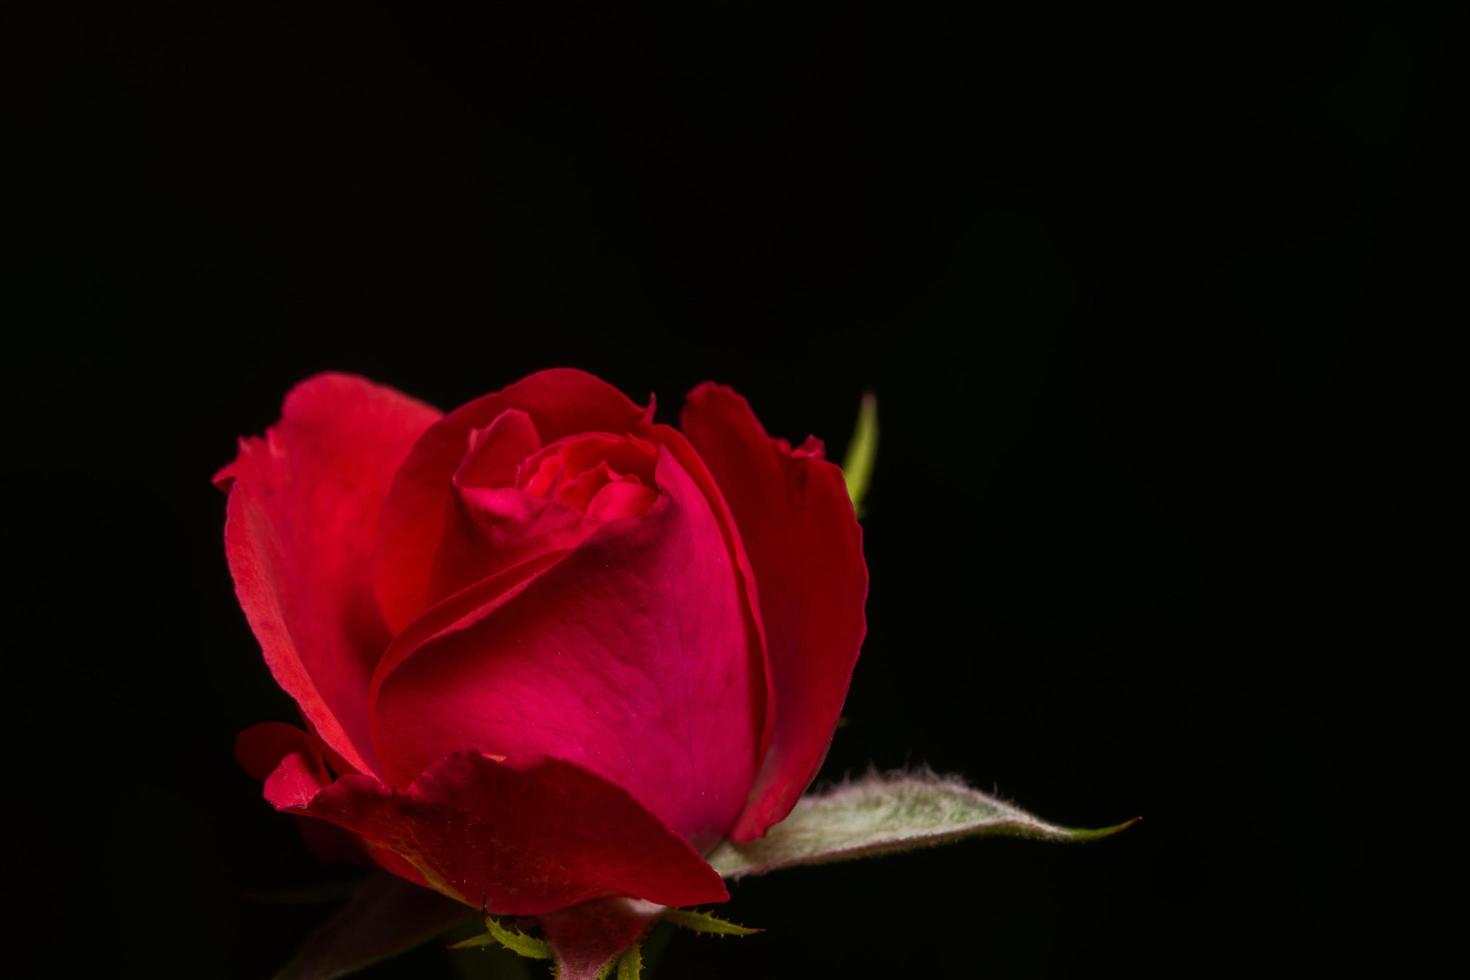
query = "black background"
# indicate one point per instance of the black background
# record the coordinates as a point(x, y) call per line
point(1126, 284)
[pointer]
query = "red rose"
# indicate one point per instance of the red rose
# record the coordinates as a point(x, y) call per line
point(546, 649)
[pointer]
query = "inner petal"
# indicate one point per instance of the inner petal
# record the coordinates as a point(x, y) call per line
point(496, 452)
point(621, 498)
point(516, 499)
point(559, 466)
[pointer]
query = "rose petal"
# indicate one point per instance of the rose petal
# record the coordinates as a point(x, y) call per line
point(525, 836)
point(620, 499)
point(287, 760)
point(630, 656)
point(495, 452)
point(559, 403)
point(805, 546)
point(493, 529)
point(683, 450)
point(300, 502)
point(495, 525)
point(291, 765)
point(458, 612)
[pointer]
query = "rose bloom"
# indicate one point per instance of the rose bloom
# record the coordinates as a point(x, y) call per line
point(545, 649)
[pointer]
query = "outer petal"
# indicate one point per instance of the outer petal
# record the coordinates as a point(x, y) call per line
point(287, 760)
point(805, 547)
point(298, 536)
point(631, 655)
point(525, 836)
point(292, 765)
point(682, 450)
point(559, 402)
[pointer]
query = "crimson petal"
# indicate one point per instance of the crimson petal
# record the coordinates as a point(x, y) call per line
point(630, 655)
point(805, 546)
point(523, 836)
point(559, 402)
point(299, 500)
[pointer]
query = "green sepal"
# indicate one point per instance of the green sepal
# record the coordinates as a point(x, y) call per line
point(512, 939)
point(862, 451)
point(630, 965)
point(704, 922)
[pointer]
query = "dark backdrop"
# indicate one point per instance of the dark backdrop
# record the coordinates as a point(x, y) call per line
point(1126, 286)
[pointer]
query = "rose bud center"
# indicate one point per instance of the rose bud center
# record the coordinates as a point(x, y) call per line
point(524, 499)
point(601, 476)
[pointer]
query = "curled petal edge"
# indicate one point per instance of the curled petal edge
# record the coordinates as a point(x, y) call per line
point(523, 835)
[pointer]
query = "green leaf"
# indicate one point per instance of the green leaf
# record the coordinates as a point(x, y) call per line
point(385, 916)
point(706, 923)
point(630, 967)
point(512, 939)
point(882, 814)
point(862, 451)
